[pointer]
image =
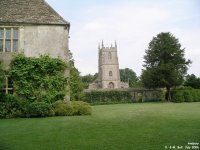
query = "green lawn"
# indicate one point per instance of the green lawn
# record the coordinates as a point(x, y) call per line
point(147, 126)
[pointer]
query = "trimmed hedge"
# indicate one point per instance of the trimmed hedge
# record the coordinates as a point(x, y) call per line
point(187, 95)
point(107, 97)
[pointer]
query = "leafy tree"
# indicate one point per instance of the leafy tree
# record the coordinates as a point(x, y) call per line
point(76, 85)
point(128, 75)
point(192, 81)
point(165, 65)
point(87, 79)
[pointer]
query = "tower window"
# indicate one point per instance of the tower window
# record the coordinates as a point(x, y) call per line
point(9, 39)
point(109, 55)
point(110, 73)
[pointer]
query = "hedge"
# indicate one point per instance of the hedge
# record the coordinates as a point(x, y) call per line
point(107, 97)
point(187, 95)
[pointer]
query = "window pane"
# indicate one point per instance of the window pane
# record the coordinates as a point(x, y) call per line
point(8, 46)
point(15, 34)
point(15, 45)
point(1, 45)
point(8, 33)
point(1, 33)
point(10, 91)
point(10, 83)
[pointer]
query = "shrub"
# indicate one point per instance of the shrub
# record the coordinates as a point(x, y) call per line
point(81, 108)
point(11, 106)
point(63, 109)
point(198, 95)
point(39, 109)
point(177, 96)
point(195, 96)
point(186, 95)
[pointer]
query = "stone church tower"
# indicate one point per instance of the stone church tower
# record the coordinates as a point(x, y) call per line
point(108, 70)
point(109, 76)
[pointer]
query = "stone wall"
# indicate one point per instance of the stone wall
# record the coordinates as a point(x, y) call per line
point(40, 40)
point(137, 95)
point(36, 40)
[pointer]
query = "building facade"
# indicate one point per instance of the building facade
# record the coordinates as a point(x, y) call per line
point(33, 28)
point(108, 69)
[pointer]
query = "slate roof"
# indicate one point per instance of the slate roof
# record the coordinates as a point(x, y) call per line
point(29, 11)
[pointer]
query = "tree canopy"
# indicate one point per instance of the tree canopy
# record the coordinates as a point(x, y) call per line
point(165, 64)
point(128, 75)
point(87, 79)
point(192, 81)
point(76, 85)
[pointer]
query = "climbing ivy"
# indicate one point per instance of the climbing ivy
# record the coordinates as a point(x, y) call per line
point(2, 77)
point(39, 79)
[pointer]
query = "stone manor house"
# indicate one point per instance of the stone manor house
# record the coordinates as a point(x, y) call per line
point(33, 28)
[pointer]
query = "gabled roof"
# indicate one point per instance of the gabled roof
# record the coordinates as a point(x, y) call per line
point(29, 11)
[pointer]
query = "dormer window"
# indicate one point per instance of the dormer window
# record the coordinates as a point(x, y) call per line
point(9, 38)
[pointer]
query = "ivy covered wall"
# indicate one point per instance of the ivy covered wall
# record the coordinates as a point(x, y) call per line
point(39, 79)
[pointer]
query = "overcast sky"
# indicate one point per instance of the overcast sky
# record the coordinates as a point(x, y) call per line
point(132, 23)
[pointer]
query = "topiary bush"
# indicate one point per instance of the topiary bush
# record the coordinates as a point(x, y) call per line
point(39, 109)
point(62, 108)
point(81, 108)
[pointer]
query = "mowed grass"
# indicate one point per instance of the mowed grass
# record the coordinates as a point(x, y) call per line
point(147, 126)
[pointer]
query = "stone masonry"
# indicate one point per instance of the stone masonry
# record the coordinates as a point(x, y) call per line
point(108, 69)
